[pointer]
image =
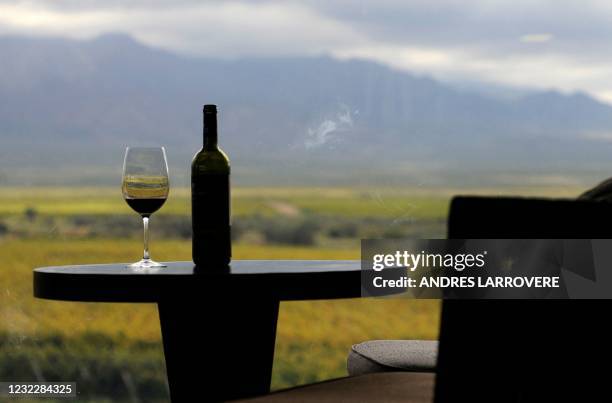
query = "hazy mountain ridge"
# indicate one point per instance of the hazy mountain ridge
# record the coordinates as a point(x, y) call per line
point(83, 101)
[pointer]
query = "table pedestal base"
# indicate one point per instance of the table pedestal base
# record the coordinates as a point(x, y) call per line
point(218, 349)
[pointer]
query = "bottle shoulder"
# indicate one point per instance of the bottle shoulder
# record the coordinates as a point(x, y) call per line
point(210, 159)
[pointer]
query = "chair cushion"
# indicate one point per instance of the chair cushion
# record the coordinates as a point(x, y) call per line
point(388, 387)
point(392, 355)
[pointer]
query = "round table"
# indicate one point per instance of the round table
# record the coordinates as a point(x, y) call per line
point(218, 326)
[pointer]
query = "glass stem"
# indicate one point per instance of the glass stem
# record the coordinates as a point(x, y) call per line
point(145, 223)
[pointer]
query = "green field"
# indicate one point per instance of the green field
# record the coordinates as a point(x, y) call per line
point(267, 201)
point(114, 350)
point(309, 347)
point(371, 202)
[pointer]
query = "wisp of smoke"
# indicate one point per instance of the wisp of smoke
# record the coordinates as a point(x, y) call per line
point(330, 130)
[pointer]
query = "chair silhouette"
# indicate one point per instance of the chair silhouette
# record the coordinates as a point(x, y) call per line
point(525, 350)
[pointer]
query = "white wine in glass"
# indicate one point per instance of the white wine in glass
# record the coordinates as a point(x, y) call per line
point(145, 188)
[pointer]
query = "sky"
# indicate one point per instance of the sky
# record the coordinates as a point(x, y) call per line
point(553, 44)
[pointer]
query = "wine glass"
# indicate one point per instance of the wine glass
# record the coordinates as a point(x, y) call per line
point(145, 188)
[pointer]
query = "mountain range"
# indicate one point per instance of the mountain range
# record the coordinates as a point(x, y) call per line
point(69, 107)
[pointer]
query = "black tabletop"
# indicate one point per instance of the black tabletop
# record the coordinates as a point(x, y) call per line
point(280, 279)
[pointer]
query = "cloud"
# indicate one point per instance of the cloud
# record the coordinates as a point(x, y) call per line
point(598, 136)
point(545, 44)
point(219, 29)
point(536, 38)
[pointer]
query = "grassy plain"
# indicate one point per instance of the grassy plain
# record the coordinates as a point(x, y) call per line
point(309, 345)
point(387, 201)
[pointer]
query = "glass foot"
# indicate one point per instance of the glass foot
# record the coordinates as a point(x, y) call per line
point(146, 264)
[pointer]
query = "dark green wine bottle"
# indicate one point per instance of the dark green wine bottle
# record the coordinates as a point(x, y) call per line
point(210, 199)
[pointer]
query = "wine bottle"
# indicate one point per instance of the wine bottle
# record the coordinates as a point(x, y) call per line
point(210, 199)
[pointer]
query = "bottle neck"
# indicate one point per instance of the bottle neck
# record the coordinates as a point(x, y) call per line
point(210, 131)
